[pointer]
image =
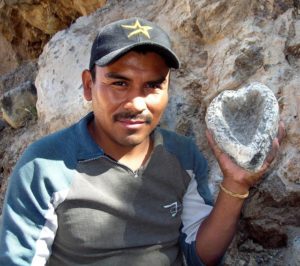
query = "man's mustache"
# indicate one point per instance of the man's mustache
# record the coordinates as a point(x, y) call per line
point(133, 116)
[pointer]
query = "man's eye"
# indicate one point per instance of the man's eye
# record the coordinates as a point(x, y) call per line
point(119, 83)
point(154, 85)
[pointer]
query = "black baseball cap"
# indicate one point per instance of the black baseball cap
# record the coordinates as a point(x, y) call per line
point(117, 38)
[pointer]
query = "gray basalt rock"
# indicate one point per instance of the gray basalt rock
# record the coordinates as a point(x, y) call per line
point(18, 95)
point(244, 123)
point(18, 105)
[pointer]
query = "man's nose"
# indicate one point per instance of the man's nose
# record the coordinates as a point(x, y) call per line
point(136, 103)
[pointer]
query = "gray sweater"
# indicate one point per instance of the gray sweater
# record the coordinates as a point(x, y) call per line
point(70, 204)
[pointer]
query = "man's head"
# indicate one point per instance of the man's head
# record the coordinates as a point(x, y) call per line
point(120, 37)
point(129, 92)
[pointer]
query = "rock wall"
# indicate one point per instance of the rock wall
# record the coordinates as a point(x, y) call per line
point(222, 45)
point(27, 25)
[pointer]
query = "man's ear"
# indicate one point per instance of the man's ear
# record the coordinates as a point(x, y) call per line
point(87, 83)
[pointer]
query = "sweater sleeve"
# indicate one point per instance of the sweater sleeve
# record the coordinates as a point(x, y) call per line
point(28, 223)
point(197, 205)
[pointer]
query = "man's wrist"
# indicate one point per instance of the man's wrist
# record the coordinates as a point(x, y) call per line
point(236, 186)
point(234, 194)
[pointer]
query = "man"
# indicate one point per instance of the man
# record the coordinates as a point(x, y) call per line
point(115, 189)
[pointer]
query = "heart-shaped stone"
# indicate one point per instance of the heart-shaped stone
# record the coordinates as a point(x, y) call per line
point(244, 123)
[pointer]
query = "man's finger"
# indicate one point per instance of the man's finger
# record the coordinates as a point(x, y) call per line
point(281, 132)
point(276, 143)
point(213, 145)
point(272, 154)
point(263, 169)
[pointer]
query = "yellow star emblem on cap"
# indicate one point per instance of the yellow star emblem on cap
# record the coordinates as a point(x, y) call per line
point(138, 29)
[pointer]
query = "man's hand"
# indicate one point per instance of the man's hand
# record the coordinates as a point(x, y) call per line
point(217, 230)
point(236, 177)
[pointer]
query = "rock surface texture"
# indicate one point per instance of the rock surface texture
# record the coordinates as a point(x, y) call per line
point(27, 25)
point(244, 123)
point(18, 95)
point(223, 45)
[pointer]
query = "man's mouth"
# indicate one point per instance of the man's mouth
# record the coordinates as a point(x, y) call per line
point(130, 119)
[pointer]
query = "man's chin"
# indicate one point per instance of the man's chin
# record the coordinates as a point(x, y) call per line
point(132, 141)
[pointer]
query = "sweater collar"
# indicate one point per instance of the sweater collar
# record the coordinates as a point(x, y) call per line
point(89, 149)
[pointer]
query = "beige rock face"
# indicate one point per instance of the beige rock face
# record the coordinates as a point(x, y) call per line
point(56, 78)
point(9, 61)
point(222, 45)
point(28, 25)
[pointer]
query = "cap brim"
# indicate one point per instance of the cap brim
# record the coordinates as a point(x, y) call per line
point(169, 56)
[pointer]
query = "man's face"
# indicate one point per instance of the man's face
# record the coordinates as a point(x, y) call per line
point(129, 97)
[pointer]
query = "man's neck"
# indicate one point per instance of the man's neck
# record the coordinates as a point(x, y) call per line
point(131, 156)
point(138, 155)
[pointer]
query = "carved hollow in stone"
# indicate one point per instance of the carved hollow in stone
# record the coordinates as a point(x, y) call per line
point(244, 123)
